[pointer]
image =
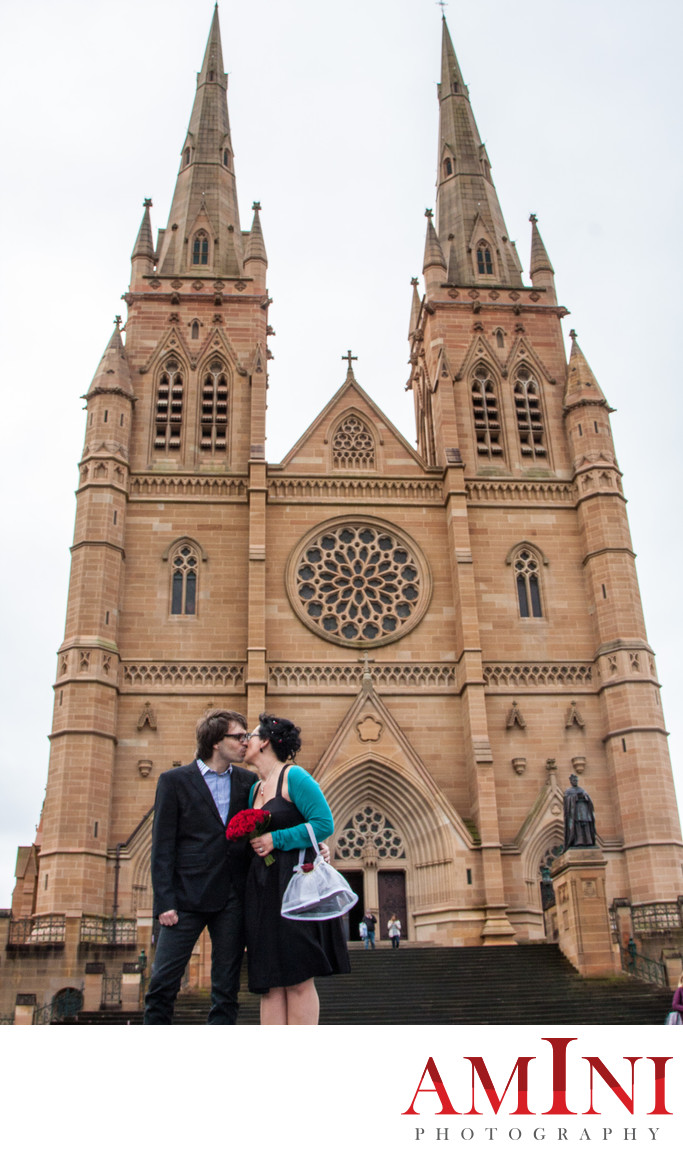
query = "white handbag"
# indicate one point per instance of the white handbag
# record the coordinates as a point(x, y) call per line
point(317, 892)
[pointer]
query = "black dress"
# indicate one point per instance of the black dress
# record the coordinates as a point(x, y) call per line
point(281, 951)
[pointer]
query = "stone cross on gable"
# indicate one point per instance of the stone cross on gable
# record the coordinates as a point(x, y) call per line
point(349, 357)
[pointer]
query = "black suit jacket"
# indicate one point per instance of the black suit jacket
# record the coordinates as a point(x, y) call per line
point(193, 865)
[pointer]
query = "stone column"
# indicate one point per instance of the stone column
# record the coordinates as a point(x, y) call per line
point(583, 925)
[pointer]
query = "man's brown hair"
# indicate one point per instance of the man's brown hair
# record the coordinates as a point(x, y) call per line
point(212, 727)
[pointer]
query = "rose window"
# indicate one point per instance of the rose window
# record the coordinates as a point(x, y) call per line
point(371, 828)
point(359, 583)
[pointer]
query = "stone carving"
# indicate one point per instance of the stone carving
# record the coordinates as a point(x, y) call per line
point(144, 767)
point(519, 765)
point(201, 487)
point(183, 674)
point(339, 675)
point(358, 582)
point(574, 716)
point(515, 718)
point(147, 718)
point(353, 445)
point(412, 491)
point(536, 674)
point(369, 835)
point(369, 729)
point(511, 491)
point(579, 817)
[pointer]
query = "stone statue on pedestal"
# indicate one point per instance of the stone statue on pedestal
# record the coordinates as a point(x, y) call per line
point(579, 817)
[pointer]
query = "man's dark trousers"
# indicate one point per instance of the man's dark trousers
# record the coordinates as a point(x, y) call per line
point(173, 952)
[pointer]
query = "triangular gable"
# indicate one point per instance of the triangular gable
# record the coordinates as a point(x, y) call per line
point(442, 373)
point(202, 222)
point(370, 740)
point(481, 232)
point(349, 397)
point(522, 352)
point(216, 343)
point(479, 349)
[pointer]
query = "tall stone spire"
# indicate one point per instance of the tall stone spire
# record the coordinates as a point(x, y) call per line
point(540, 268)
point(469, 221)
point(143, 255)
point(113, 373)
point(203, 237)
point(434, 264)
point(582, 388)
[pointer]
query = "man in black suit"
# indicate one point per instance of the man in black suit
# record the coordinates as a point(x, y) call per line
point(197, 875)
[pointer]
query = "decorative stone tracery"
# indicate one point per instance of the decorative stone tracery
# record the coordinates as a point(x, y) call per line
point(369, 830)
point(353, 445)
point(358, 583)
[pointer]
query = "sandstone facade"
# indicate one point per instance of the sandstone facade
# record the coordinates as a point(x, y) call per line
point(456, 627)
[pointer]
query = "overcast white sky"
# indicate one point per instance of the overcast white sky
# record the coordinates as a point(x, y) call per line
point(334, 121)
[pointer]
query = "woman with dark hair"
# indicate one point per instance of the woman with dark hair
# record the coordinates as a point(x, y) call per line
point(284, 955)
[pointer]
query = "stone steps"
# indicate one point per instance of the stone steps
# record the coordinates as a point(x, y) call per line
point(519, 985)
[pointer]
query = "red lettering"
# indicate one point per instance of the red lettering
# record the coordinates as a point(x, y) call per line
point(660, 1084)
point(437, 1088)
point(521, 1068)
point(559, 1046)
point(598, 1065)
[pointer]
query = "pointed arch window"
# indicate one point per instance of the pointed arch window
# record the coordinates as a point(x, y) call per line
point(484, 260)
point(168, 413)
point(487, 427)
point(200, 249)
point(226, 157)
point(195, 329)
point(184, 579)
point(186, 157)
point(353, 445)
point(529, 415)
point(526, 567)
point(370, 827)
point(214, 415)
point(448, 166)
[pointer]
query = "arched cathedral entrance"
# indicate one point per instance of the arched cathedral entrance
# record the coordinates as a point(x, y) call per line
point(371, 853)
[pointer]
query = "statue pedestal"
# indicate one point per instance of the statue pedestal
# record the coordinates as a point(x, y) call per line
point(578, 878)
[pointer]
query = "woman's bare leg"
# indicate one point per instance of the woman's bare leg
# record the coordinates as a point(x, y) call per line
point(303, 1006)
point(274, 1007)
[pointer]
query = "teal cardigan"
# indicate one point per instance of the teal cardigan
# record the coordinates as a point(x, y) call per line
point(309, 800)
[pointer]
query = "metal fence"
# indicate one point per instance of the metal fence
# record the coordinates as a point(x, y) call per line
point(638, 966)
point(110, 931)
point(42, 1015)
point(40, 930)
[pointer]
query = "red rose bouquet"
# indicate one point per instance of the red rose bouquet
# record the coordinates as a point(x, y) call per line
point(249, 824)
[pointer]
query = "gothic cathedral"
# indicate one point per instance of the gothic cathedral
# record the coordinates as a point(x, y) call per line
point(456, 626)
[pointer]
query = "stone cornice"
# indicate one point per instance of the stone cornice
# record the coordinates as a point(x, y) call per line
point(526, 491)
point(314, 489)
point(183, 487)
